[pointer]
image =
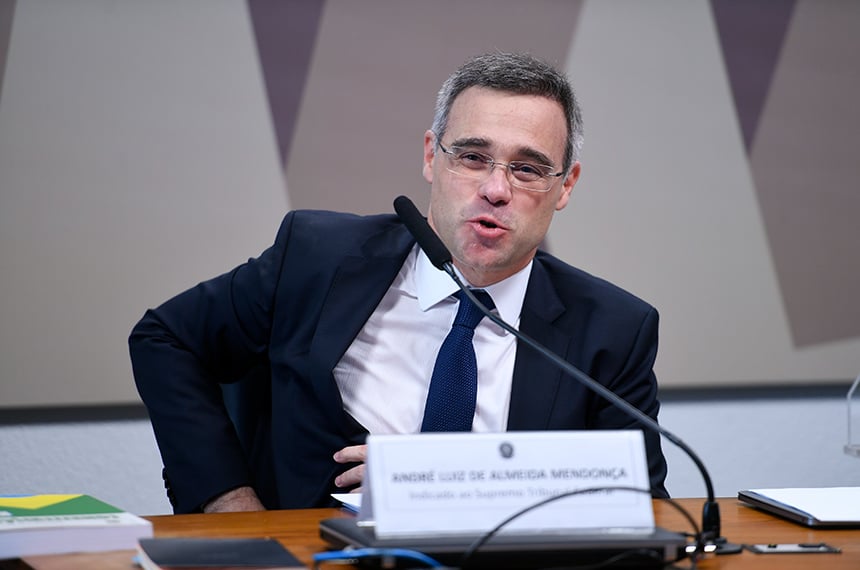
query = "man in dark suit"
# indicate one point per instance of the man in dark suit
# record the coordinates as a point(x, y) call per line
point(339, 322)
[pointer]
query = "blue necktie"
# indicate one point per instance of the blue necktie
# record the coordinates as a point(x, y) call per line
point(454, 384)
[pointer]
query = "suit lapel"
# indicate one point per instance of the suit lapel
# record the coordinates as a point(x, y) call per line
point(536, 379)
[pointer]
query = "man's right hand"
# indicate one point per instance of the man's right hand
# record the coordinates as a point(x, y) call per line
point(354, 476)
point(239, 499)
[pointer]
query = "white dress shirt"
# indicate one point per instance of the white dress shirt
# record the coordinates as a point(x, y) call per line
point(384, 376)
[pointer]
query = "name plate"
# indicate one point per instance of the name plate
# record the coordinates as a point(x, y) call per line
point(467, 483)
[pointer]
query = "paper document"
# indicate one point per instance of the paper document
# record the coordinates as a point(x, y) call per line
point(350, 501)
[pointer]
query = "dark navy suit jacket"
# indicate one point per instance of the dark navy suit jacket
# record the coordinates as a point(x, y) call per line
point(282, 321)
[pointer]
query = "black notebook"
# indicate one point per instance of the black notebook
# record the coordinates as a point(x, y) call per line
point(527, 550)
point(220, 553)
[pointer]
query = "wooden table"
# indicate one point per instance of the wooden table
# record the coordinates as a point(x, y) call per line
point(298, 531)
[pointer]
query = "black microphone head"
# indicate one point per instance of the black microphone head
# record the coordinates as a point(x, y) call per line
point(422, 232)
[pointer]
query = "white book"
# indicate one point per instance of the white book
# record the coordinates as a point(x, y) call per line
point(60, 524)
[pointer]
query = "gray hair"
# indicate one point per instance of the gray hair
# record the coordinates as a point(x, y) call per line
point(522, 74)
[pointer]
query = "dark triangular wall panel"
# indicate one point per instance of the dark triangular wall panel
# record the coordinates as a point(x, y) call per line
point(751, 34)
point(286, 31)
point(7, 10)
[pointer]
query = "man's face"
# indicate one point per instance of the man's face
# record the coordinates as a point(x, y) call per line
point(492, 228)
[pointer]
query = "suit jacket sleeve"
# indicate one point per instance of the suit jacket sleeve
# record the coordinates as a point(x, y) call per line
point(181, 351)
point(635, 382)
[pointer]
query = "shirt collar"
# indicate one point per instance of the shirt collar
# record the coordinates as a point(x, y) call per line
point(434, 285)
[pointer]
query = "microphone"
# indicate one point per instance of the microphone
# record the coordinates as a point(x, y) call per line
point(441, 258)
point(422, 232)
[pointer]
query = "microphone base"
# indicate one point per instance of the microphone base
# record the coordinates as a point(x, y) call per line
point(723, 546)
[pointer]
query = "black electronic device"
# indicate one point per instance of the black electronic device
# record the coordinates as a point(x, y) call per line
point(523, 550)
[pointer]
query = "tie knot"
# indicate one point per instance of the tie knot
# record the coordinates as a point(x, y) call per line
point(468, 314)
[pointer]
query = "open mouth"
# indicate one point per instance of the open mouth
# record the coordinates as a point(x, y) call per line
point(487, 224)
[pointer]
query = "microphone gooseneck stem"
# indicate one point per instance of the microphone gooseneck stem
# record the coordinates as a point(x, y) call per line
point(441, 258)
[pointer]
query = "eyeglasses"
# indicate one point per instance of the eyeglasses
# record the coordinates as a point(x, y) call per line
point(477, 165)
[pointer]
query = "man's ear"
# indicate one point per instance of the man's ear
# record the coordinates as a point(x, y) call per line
point(429, 154)
point(567, 186)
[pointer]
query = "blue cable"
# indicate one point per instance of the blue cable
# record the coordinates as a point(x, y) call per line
point(342, 555)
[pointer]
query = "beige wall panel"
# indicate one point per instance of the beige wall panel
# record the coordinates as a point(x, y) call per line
point(805, 164)
point(372, 86)
point(136, 159)
point(666, 206)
